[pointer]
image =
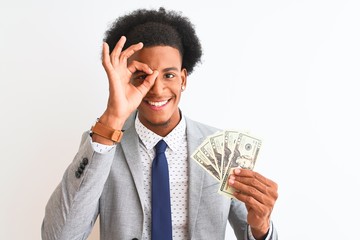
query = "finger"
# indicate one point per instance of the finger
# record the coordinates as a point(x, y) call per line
point(127, 53)
point(105, 56)
point(117, 50)
point(253, 182)
point(251, 174)
point(257, 181)
point(139, 66)
point(148, 83)
point(253, 193)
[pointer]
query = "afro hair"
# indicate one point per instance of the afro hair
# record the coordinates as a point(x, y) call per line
point(158, 28)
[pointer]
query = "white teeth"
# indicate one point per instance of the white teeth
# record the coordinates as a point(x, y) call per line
point(157, 104)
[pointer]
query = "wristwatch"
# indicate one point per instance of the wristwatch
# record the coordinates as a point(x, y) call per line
point(107, 132)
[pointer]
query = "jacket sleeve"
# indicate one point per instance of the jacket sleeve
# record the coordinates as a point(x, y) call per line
point(73, 207)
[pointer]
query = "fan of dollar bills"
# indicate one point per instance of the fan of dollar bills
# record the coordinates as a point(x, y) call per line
point(223, 151)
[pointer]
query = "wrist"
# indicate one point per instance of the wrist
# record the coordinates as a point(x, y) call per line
point(260, 233)
point(99, 139)
point(112, 121)
point(105, 134)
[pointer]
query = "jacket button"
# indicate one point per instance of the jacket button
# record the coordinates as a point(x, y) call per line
point(77, 174)
point(85, 161)
point(82, 166)
point(135, 239)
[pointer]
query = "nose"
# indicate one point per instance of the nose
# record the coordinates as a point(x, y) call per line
point(158, 85)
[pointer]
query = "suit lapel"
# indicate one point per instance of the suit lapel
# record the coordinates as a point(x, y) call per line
point(130, 146)
point(196, 176)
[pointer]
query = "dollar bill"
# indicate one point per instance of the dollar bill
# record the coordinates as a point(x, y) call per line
point(217, 144)
point(225, 189)
point(202, 160)
point(246, 151)
point(230, 137)
point(220, 153)
point(207, 150)
point(244, 156)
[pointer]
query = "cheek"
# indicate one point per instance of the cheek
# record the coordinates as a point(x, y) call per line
point(177, 91)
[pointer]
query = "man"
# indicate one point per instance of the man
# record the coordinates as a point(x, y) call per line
point(147, 56)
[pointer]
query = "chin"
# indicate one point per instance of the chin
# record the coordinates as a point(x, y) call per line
point(159, 122)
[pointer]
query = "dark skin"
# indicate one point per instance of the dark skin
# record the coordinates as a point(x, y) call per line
point(151, 80)
point(143, 78)
point(159, 110)
point(259, 195)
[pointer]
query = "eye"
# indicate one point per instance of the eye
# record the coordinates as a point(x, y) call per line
point(169, 75)
point(141, 77)
point(138, 79)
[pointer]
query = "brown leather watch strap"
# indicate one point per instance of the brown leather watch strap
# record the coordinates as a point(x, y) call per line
point(107, 132)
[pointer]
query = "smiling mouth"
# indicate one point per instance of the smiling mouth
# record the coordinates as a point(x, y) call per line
point(158, 104)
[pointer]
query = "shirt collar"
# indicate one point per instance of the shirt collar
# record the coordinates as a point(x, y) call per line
point(150, 139)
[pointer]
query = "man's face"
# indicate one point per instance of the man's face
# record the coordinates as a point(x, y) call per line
point(158, 110)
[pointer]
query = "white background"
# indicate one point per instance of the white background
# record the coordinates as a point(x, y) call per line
point(287, 71)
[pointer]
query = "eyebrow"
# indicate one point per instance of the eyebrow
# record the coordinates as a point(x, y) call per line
point(171, 69)
point(165, 70)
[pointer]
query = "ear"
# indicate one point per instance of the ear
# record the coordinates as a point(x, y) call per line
point(184, 75)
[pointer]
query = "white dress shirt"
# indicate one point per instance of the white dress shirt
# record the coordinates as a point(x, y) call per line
point(176, 155)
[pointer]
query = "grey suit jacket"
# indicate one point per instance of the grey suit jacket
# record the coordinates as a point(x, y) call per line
point(111, 186)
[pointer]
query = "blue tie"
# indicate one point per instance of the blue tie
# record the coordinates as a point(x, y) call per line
point(161, 228)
